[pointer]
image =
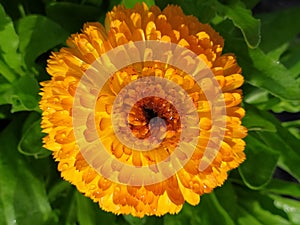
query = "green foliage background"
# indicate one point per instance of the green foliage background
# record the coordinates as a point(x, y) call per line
point(268, 50)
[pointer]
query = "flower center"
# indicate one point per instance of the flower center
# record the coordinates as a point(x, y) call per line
point(154, 115)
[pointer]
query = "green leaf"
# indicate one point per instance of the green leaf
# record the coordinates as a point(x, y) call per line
point(134, 220)
point(85, 213)
point(257, 208)
point(31, 141)
point(4, 113)
point(272, 76)
point(261, 98)
point(276, 53)
point(289, 157)
point(10, 60)
point(227, 197)
point(294, 123)
point(89, 213)
point(6, 71)
point(251, 212)
point(246, 218)
point(280, 24)
point(291, 207)
point(96, 3)
point(260, 163)
point(250, 3)
point(254, 95)
point(19, 95)
point(211, 206)
point(264, 216)
point(286, 106)
point(154, 220)
point(113, 3)
point(147, 220)
point(58, 189)
point(284, 143)
point(293, 127)
point(72, 16)
point(24, 98)
point(18, 9)
point(5, 89)
point(62, 196)
point(69, 209)
point(243, 19)
point(291, 58)
point(213, 209)
point(131, 3)
point(23, 198)
point(255, 120)
point(282, 187)
point(188, 215)
point(38, 34)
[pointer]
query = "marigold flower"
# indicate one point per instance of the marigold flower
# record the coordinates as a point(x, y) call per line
point(123, 26)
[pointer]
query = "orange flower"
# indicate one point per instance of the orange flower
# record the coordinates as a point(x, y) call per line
point(123, 26)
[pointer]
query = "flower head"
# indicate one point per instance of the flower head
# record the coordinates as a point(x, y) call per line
point(159, 121)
